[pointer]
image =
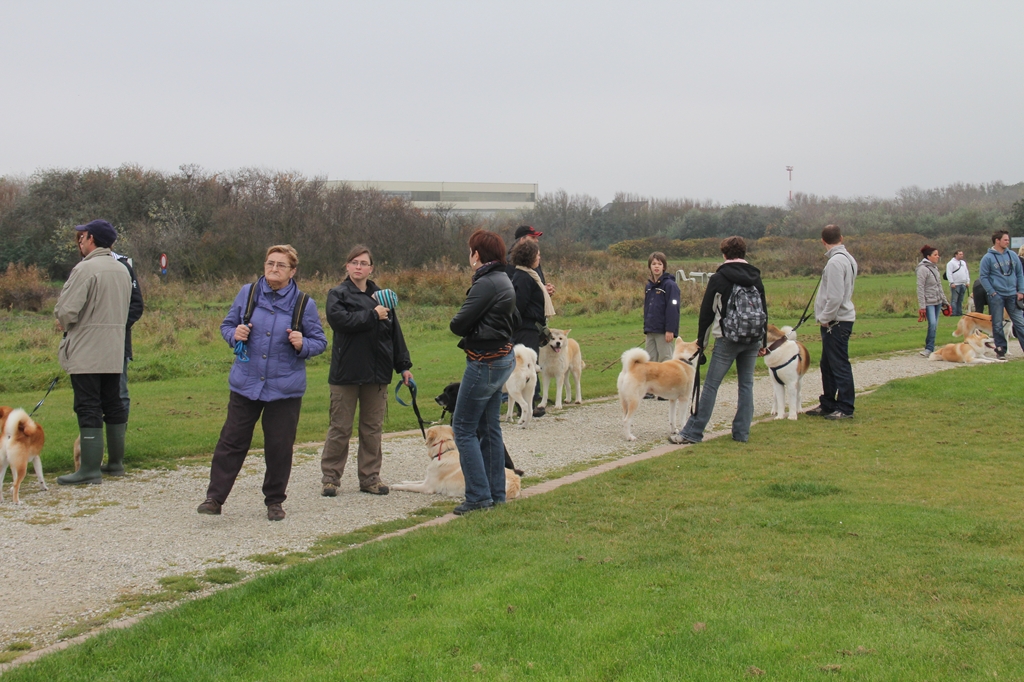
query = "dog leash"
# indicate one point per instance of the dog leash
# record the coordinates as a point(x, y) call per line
point(804, 317)
point(695, 396)
point(415, 407)
point(52, 384)
point(609, 365)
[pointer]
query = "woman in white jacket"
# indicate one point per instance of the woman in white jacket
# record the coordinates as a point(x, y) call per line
point(930, 296)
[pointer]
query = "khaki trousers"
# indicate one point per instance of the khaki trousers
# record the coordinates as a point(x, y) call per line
point(373, 400)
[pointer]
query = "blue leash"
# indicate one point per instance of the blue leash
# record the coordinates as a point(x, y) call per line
point(242, 351)
point(415, 407)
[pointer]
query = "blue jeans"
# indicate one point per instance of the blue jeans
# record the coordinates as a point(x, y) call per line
point(956, 295)
point(478, 408)
point(996, 304)
point(836, 373)
point(932, 312)
point(724, 354)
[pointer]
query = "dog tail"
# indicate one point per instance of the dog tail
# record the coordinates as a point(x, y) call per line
point(19, 420)
point(634, 356)
point(935, 356)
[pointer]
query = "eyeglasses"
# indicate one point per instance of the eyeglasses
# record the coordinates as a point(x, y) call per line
point(360, 263)
point(271, 265)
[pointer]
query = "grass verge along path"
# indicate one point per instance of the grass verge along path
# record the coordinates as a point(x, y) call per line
point(881, 548)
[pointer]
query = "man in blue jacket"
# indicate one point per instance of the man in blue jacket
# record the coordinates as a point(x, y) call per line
point(1001, 275)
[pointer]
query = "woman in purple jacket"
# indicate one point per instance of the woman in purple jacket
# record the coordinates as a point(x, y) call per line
point(269, 381)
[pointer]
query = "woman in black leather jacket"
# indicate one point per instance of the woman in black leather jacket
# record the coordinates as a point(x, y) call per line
point(485, 322)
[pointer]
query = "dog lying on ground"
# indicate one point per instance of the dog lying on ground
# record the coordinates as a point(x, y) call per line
point(447, 399)
point(521, 384)
point(671, 380)
point(557, 360)
point(972, 350)
point(21, 442)
point(787, 360)
point(972, 322)
point(444, 473)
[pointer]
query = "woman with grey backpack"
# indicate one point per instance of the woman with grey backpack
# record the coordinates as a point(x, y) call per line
point(735, 312)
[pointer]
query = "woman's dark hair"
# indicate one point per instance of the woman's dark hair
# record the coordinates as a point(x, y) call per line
point(733, 248)
point(490, 246)
point(524, 253)
point(927, 250)
point(359, 250)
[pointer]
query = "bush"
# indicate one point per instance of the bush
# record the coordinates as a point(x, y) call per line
point(24, 288)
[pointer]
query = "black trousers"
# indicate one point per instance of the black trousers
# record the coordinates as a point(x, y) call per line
point(98, 400)
point(280, 421)
point(836, 372)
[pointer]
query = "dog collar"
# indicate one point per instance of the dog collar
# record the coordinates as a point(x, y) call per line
point(775, 370)
point(440, 451)
point(777, 343)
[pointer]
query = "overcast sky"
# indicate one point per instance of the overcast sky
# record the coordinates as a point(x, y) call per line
point(706, 100)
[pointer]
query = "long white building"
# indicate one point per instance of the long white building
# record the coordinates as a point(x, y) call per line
point(487, 197)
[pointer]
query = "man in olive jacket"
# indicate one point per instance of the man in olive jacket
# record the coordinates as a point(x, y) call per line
point(92, 310)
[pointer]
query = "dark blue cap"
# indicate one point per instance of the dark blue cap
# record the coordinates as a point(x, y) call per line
point(103, 233)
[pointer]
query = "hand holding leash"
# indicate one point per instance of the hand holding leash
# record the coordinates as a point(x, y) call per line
point(920, 315)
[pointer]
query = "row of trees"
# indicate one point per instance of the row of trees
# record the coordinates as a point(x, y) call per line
point(218, 224)
point(955, 210)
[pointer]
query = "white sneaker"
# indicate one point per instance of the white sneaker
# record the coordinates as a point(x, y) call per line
point(924, 353)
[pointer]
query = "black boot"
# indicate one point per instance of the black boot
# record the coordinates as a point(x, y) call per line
point(115, 450)
point(92, 457)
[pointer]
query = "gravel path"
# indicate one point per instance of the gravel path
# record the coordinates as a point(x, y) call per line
point(70, 552)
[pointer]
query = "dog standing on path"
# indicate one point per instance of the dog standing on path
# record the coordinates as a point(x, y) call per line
point(560, 358)
point(671, 380)
point(521, 384)
point(787, 360)
point(21, 442)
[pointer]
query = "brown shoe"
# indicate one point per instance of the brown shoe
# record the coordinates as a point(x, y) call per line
point(376, 488)
point(275, 512)
point(330, 490)
point(211, 506)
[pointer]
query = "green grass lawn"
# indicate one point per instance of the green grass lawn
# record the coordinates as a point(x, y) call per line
point(179, 379)
point(887, 546)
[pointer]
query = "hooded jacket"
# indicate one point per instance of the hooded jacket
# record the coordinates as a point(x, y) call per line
point(716, 298)
point(929, 286)
point(366, 349)
point(834, 302)
point(488, 316)
point(661, 306)
point(275, 370)
point(1000, 273)
point(93, 309)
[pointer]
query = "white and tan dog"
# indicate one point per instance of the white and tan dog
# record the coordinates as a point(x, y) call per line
point(972, 322)
point(21, 442)
point(521, 384)
point(444, 473)
point(787, 360)
point(671, 380)
point(557, 360)
point(972, 350)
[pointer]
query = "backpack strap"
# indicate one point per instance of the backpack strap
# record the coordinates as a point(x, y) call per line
point(250, 305)
point(299, 311)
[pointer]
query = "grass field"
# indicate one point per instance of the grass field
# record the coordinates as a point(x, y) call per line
point(181, 366)
point(885, 548)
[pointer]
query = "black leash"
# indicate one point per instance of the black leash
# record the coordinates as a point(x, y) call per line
point(52, 384)
point(415, 407)
point(804, 317)
point(695, 396)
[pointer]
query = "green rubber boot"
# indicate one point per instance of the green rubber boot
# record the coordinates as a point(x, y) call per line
point(92, 457)
point(115, 450)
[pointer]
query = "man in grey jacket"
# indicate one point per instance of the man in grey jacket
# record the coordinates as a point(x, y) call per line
point(92, 310)
point(834, 311)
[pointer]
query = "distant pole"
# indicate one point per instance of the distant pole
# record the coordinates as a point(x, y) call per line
point(790, 170)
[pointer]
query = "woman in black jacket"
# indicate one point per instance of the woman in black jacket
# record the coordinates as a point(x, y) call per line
point(485, 322)
point(368, 347)
point(532, 301)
